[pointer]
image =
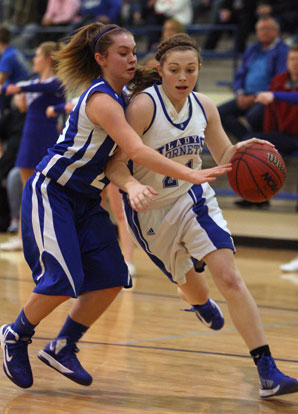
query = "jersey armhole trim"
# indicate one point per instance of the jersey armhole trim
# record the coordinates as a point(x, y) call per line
point(154, 112)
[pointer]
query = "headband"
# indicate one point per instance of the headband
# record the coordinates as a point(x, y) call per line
point(100, 34)
point(171, 46)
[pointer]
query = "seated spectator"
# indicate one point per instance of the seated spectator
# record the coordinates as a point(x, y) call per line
point(60, 13)
point(280, 120)
point(13, 66)
point(180, 10)
point(281, 113)
point(261, 62)
point(242, 13)
point(105, 11)
point(284, 11)
point(149, 60)
point(24, 20)
point(170, 28)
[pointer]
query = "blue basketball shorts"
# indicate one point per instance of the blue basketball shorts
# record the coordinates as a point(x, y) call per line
point(178, 236)
point(69, 241)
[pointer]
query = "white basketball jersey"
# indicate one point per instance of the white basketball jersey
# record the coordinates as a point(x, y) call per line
point(178, 136)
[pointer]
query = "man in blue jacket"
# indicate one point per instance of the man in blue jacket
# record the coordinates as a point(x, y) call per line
point(261, 62)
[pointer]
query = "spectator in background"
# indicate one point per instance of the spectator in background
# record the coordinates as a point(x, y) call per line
point(39, 93)
point(239, 12)
point(180, 10)
point(261, 62)
point(11, 126)
point(13, 66)
point(170, 28)
point(60, 13)
point(281, 114)
point(284, 11)
point(24, 20)
point(105, 11)
point(280, 120)
point(149, 60)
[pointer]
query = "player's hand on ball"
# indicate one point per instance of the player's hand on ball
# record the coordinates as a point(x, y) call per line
point(209, 174)
point(140, 196)
point(253, 141)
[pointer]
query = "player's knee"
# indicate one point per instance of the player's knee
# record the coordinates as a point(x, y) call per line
point(231, 281)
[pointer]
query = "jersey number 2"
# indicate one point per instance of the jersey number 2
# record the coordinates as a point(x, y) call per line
point(173, 182)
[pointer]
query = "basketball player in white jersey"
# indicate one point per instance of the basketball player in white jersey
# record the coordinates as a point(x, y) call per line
point(184, 225)
point(69, 240)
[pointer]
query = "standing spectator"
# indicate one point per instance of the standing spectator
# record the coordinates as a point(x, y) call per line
point(40, 92)
point(13, 66)
point(261, 62)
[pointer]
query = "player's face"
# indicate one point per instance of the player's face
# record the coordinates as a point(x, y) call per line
point(179, 73)
point(40, 61)
point(120, 61)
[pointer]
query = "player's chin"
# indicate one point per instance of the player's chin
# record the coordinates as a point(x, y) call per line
point(129, 74)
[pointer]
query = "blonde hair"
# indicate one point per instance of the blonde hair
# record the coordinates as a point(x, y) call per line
point(48, 49)
point(145, 77)
point(75, 63)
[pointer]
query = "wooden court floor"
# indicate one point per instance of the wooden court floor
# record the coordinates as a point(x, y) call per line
point(148, 356)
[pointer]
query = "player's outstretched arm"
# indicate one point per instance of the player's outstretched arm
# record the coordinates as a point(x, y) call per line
point(140, 196)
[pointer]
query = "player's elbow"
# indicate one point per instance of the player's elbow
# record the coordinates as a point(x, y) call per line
point(136, 153)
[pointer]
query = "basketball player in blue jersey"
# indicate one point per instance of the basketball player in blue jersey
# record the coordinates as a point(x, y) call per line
point(68, 239)
point(184, 224)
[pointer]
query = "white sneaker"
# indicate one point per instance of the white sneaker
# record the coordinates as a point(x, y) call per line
point(131, 268)
point(13, 245)
point(292, 266)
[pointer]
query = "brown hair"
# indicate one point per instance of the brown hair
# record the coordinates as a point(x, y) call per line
point(75, 63)
point(145, 77)
point(5, 34)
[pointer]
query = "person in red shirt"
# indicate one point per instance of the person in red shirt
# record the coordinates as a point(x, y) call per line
point(280, 119)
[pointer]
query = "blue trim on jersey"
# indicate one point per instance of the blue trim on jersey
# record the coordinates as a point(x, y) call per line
point(133, 221)
point(68, 161)
point(154, 113)
point(216, 234)
point(201, 106)
point(181, 125)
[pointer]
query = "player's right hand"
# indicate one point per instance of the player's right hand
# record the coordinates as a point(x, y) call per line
point(210, 174)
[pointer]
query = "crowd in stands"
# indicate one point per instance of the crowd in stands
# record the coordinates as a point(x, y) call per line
point(266, 39)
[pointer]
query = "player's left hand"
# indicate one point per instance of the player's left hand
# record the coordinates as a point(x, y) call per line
point(11, 89)
point(250, 141)
point(140, 196)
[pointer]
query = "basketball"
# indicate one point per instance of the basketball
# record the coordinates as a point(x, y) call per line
point(258, 172)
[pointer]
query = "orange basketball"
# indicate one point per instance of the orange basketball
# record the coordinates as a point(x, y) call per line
point(258, 172)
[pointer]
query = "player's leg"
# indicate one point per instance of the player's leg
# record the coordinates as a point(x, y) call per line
point(15, 337)
point(60, 353)
point(105, 274)
point(126, 240)
point(196, 292)
point(247, 320)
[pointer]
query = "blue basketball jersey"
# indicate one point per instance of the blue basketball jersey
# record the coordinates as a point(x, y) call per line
point(83, 149)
